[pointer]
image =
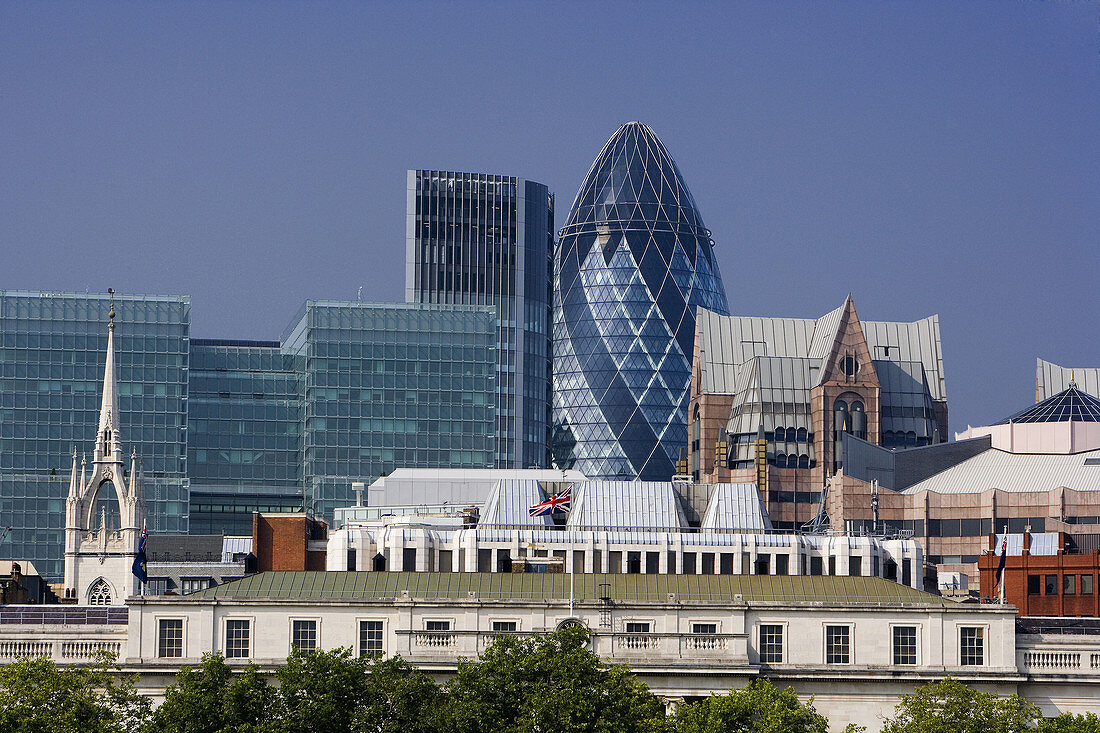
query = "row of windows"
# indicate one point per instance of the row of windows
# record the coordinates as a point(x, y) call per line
point(303, 635)
point(1071, 584)
point(838, 645)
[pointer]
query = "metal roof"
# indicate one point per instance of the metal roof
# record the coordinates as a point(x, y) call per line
point(737, 507)
point(998, 469)
point(727, 343)
point(626, 505)
point(1051, 378)
point(509, 502)
point(344, 586)
point(1069, 405)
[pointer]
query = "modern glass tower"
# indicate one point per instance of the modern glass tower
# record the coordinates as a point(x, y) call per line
point(474, 239)
point(52, 347)
point(634, 261)
point(391, 385)
point(223, 428)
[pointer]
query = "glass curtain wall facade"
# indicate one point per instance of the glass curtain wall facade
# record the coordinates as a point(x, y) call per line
point(244, 448)
point(391, 385)
point(475, 239)
point(52, 350)
point(634, 261)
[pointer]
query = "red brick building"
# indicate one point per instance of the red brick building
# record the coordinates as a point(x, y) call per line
point(290, 541)
point(1058, 584)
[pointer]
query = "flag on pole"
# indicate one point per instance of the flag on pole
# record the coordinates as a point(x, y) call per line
point(558, 503)
point(139, 560)
point(1001, 562)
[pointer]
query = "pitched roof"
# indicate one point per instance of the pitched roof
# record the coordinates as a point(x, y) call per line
point(350, 586)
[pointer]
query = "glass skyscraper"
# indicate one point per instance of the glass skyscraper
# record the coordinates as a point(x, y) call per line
point(634, 261)
point(391, 385)
point(52, 348)
point(477, 239)
point(223, 428)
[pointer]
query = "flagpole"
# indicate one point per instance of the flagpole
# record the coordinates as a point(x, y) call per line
point(1004, 572)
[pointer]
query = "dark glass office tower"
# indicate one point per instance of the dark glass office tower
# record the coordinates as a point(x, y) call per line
point(475, 239)
point(634, 261)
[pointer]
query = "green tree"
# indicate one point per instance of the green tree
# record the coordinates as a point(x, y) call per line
point(949, 706)
point(548, 683)
point(1067, 723)
point(213, 698)
point(320, 691)
point(36, 696)
point(759, 707)
point(399, 699)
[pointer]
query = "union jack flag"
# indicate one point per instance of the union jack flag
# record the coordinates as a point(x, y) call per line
point(559, 502)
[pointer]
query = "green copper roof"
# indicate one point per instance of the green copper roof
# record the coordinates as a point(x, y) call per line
point(350, 586)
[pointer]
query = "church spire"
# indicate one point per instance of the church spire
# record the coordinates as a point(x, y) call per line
point(108, 444)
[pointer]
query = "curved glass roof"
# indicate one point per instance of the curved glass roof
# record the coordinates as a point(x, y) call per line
point(1069, 405)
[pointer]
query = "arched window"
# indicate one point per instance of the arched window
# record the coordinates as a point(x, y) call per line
point(911, 438)
point(859, 420)
point(106, 505)
point(99, 594)
point(792, 435)
point(801, 436)
point(803, 461)
point(792, 460)
point(780, 434)
point(781, 460)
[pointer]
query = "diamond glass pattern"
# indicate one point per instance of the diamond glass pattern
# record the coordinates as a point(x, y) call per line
point(634, 262)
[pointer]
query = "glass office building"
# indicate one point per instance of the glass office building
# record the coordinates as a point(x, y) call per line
point(634, 261)
point(475, 239)
point(391, 385)
point(244, 447)
point(52, 350)
point(225, 428)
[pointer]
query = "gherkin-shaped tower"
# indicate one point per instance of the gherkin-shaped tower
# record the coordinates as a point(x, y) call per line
point(634, 261)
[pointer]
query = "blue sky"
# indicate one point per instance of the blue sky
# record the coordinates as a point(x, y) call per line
point(927, 157)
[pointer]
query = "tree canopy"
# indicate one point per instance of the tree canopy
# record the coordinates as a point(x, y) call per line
point(948, 706)
point(760, 707)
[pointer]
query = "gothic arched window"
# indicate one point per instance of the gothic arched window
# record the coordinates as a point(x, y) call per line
point(99, 594)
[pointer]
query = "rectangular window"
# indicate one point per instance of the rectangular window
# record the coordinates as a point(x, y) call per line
point(971, 646)
point(905, 645)
point(637, 627)
point(303, 635)
point(437, 626)
point(652, 563)
point(725, 563)
point(1034, 585)
point(704, 628)
point(505, 626)
point(237, 638)
point(838, 644)
point(763, 563)
point(370, 638)
point(689, 563)
point(408, 559)
point(192, 585)
point(771, 644)
point(815, 565)
point(1069, 585)
point(855, 566)
point(1051, 584)
point(170, 637)
point(1086, 585)
point(708, 563)
point(782, 564)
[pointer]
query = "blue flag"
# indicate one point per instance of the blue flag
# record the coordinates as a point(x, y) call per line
point(1001, 562)
point(139, 561)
